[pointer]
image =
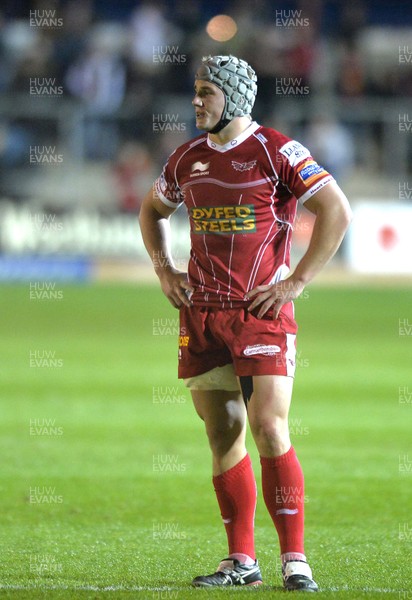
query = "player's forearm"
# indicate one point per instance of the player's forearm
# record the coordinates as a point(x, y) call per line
point(155, 230)
point(330, 227)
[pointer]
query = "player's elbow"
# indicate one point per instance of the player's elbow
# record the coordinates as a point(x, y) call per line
point(339, 210)
point(148, 214)
point(346, 215)
point(143, 209)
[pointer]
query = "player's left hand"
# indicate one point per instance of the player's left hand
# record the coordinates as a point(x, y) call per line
point(274, 296)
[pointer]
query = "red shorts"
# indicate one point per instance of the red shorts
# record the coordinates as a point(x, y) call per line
point(212, 337)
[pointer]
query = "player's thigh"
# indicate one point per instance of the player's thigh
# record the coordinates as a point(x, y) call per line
point(223, 412)
point(270, 402)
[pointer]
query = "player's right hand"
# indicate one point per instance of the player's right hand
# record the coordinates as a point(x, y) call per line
point(175, 287)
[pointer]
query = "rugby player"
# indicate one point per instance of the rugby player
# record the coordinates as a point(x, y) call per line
point(241, 183)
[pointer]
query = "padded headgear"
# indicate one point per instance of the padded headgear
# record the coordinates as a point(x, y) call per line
point(236, 79)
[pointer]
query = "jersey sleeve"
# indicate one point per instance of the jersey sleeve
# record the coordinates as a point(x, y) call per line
point(166, 186)
point(300, 172)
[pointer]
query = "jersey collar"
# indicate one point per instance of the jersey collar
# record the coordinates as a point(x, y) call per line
point(236, 141)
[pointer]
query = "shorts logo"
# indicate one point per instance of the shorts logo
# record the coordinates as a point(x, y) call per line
point(246, 166)
point(311, 172)
point(270, 350)
point(294, 152)
point(223, 219)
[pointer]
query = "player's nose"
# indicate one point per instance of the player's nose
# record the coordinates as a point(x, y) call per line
point(197, 101)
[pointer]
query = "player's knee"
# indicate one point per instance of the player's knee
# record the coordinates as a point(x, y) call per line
point(271, 439)
point(220, 445)
point(273, 432)
point(223, 438)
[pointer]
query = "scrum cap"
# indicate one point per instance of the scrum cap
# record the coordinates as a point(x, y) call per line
point(236, 79)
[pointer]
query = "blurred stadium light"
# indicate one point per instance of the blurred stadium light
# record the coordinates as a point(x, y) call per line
point(93, 98)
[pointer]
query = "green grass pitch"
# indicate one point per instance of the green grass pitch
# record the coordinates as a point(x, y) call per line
point(105, 472)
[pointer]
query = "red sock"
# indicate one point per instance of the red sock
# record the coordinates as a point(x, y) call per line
point(236, 494)
point(283, 491)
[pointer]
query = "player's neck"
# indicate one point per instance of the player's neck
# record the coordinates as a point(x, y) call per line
point(231, 131)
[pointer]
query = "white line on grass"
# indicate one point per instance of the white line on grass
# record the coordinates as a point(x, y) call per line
point(165, 588)
point(92, 588)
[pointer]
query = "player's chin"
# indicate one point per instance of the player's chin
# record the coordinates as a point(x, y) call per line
point(204, 124)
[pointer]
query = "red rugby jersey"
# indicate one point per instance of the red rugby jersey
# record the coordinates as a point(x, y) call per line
point(241, 200)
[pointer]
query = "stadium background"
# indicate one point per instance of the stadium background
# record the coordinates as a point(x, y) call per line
point(101, 448)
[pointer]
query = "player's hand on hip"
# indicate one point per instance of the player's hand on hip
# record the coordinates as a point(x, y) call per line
point(274, 296)
point(175, 287)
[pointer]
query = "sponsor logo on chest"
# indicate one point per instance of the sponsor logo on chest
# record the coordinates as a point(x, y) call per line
point(223, 219)
point(244, 166)
point(199, 168)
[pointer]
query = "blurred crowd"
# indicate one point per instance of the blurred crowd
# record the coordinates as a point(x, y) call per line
point(126, 58)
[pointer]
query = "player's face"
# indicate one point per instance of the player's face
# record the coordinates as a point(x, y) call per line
point(209, 102)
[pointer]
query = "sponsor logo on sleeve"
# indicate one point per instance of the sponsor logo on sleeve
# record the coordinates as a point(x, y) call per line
point(223, 219)
point(162, 184)
point(310, 172)
point(294, 152)
point(169, 193)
